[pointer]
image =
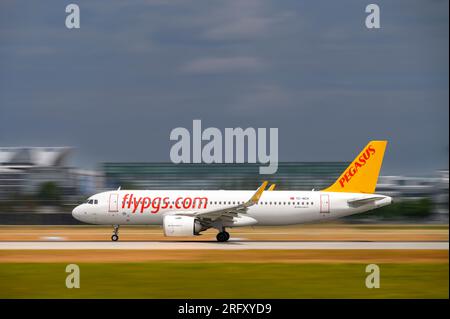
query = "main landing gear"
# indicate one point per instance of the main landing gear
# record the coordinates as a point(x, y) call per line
point(223, 236)
point(115, 236)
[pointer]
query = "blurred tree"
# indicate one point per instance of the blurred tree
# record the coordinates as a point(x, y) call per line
point(49, 193)
point(128, 185)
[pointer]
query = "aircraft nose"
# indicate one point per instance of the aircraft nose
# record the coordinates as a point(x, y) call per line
point(76, 213)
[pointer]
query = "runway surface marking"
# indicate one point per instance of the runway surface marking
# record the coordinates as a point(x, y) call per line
point(232, 245)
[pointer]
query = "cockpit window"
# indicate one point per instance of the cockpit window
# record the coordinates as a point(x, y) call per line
point(90, 201)
point(95, 201)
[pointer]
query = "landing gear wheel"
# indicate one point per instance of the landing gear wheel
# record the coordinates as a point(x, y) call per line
point(223, 236)
point(115, 236)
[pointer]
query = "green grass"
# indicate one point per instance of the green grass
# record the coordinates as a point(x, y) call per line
point(215, 280)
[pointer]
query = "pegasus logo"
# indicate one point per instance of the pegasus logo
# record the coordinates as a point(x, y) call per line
point(356, 165)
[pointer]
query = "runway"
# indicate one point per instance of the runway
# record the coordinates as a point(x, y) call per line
point(231, 245)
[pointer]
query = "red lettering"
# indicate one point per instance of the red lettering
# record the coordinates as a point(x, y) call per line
point(156, 204)
point(136, 204)
point(124, 200)
point(352, 171)
point(362, 160)
point(198, 201)
point(129, 202)
point(145, 203)
point(160, 203)
point(366, 154)
point(166, 203)
point(177, 202)
point(347, 176)
point(187, 202)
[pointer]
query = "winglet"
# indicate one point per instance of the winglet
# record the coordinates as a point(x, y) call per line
point(255, 198)
point(272, 187)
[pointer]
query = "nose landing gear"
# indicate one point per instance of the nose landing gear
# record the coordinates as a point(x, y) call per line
point(115, 236)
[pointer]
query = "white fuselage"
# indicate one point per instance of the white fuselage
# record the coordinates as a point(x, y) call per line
point(124, 207)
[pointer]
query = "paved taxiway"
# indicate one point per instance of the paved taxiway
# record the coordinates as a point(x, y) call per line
point(231, 245)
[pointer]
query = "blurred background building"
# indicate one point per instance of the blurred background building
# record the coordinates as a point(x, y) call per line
point(35, 181)
point(24, 170)
point(300, 175)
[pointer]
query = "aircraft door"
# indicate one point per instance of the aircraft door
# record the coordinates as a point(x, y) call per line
point(114, 203)
point(324, 203)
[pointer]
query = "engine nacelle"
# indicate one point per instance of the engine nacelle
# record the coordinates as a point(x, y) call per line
point(181, 226)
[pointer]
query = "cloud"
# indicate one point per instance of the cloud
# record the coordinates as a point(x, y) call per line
point(211, 65)
point(263, 97)
point(242, 28)
point(237, 20)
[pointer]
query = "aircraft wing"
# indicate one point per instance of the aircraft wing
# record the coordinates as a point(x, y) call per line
point(227, 213)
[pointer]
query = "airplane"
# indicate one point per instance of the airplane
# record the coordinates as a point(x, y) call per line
point(190, 212)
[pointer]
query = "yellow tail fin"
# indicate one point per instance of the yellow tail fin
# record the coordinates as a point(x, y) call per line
point(362, 174)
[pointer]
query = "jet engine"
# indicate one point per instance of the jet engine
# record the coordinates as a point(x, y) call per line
point(181, 226)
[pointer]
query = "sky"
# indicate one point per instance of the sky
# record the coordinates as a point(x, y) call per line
point(115, 88)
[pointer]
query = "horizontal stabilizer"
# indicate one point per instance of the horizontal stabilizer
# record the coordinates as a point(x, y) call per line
point(363, 201)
